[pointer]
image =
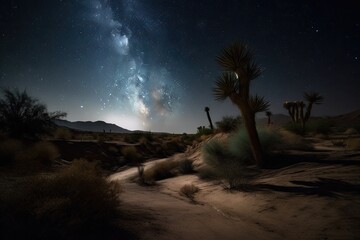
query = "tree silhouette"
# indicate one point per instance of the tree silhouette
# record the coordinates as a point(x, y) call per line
point(268, 115)
point(22, 116)
point(296, 108)
point(207, 110)
point(239, 69)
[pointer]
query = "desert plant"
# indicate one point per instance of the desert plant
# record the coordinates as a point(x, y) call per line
point(202, 130)
point(160, 170)
point(24, 116)
point(240, 69)
point(9, 149)
point(225, 165)
point(63, 133)
point(319, 126)
point(186, 166)
point(207, 110)
point(189, 190)
point(268, 115)
point(353, 144)
point(296, 109)
point(228, 124)
point(76, 201)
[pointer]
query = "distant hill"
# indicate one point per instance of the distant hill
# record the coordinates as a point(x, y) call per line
point(350, 119)
point(98, 126)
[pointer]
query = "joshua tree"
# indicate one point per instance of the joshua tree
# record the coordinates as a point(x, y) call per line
point(268, 115)
point(207, 110)
point(23, 116)
point(296, 109)
point(239, 69)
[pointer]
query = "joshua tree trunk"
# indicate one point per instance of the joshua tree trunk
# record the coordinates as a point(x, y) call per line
point(207, 110)
point(250, 125)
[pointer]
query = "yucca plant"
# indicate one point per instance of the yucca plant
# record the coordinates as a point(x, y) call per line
point(268, 115)
point(207, 110)
point(240, 69)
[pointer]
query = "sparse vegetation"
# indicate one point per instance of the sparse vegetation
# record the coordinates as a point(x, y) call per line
point(296, 108)
point(22, 116)
point(72, 203)
point(240, 69)
point(228, 124)
point(25, 157)
point(189, 190)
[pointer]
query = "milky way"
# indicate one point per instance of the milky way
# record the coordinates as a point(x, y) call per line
point(144, 89)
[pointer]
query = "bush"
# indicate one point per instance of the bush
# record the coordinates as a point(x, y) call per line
point(9, 149)
point(294, 128)
point(76, 200)
point(189, 190)
point(319, 126)
point(131, 154)
point(38, 156)
point(63, 133)
point(160, 170)
point(186, 166)
point(353, 144)
point(225, 165)
point(228, 124)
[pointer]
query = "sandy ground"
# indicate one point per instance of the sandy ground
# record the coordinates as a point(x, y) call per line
point(307, 200)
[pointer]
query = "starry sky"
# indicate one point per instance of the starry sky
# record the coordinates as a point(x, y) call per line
point(150, 64)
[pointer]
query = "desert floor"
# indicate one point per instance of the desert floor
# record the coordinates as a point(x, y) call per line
point(316, 198)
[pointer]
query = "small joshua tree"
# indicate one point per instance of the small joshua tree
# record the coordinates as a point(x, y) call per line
point(207, 110)
point(296, 109)
point(268, 115)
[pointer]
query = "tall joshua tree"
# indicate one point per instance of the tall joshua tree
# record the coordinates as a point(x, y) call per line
point(239, 69)
point(207, 110)
point(268, 115)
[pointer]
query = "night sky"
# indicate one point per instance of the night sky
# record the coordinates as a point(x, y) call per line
point(150, 64)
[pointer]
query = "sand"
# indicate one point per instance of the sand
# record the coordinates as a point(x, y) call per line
point(317, 199)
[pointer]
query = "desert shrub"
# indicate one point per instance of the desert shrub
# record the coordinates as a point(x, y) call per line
point(38, 156)
point(131, 154)
point(22, 116)
point(228, 124)
point(76, 200)
point(202, 130)
point(63, 133)
point(351, 131)
point(239, 144)
point(172, 146)
point(353, 144)
point(189, 190)
point(316, 126)
point(9, 149)
point(186, 166)
point(293, 141)
point(161, 170)
point(225, 164)
point(294, 128)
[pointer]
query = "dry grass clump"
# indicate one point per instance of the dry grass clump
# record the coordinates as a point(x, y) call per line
point(351, 131)
point(160, 171)
point(63, 133)
point(353, 144)
point(189, 190)
point(131, 154)
point(186, 166)
point(37, 156)
point(293, 141)
point(74, 202)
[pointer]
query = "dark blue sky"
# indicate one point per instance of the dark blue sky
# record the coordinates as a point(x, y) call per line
point(150, 64)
